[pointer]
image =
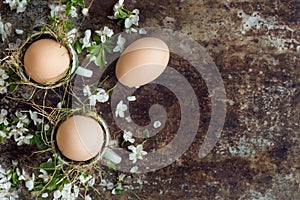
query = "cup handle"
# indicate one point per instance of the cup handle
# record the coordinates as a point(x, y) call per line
point(84, 72)
point(112, 156)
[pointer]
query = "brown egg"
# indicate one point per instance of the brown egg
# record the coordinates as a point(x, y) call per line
point(80, 138)
point(46, 61)
point(142, 61)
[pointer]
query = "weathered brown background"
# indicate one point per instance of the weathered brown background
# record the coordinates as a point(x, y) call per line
point(258, 153)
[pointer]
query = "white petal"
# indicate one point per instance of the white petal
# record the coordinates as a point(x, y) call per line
point(156, 124)
point(134, 169)
point(57, 194)
point(128, 23)
point(142, 31)
point(29, 184)
point(45, 195)
point(93, 100)
point(131, 98)
point(87, 197)
point(19, 31)
point(85, 11)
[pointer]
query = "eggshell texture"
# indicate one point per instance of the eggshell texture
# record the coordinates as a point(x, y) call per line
point(142, 61)
point(46, 61)
point(80, 138)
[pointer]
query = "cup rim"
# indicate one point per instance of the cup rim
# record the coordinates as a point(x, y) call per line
point(96, 158)
point(70, 73)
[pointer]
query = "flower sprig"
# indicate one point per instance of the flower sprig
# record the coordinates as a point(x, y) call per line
point(124, 17)
point(97, 45)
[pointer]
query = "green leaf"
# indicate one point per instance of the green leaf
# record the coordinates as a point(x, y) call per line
point(111, 166)
point(101, 58)
point(38, 141)
point(146, 133)
point(96, 38)
point(80, 3)
point(53, 184)
point(93, 49)
point(39, 186)
point(78, 47)
point(68, 10)
point(68, 25)
point(122, 14)
point(118, 191)
point(48, 166)
point(14, 178)
point(120, 22)
point(74, 1)
point(12, 87)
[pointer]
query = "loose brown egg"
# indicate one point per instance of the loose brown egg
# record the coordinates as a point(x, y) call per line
point(80, 138)
point(46, 61)
point(142, 61)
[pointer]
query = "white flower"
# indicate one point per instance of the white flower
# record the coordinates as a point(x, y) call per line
point(29, 184)
point(3, 118)
point(29, 181)
point(131, 98)
point(20, 5)
point(156, 124)
point(127, 136)
point(56, 195)
point(19, 31)
point(66, 191)
point(87, 197)
point(57, 10)
point(23, 119)
point(137, 152)
point(3, 84)
point(83, 179)
point(130, 30)
point(101, 95)
point(44, 175)
point(23, 139)
point(134, 169)
point(116, 8)
point(132, 19)
point(71, 35)
point(118, 5)
point(142, 31)
point(34, 117)
point(73, 12)
point(45, 195)
point(120, 44)
point(121, 108)
point(106, 32)
point(85, 11)
point(5, 29)
point(14, 46)
point(86, 40)
point(87, 91)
